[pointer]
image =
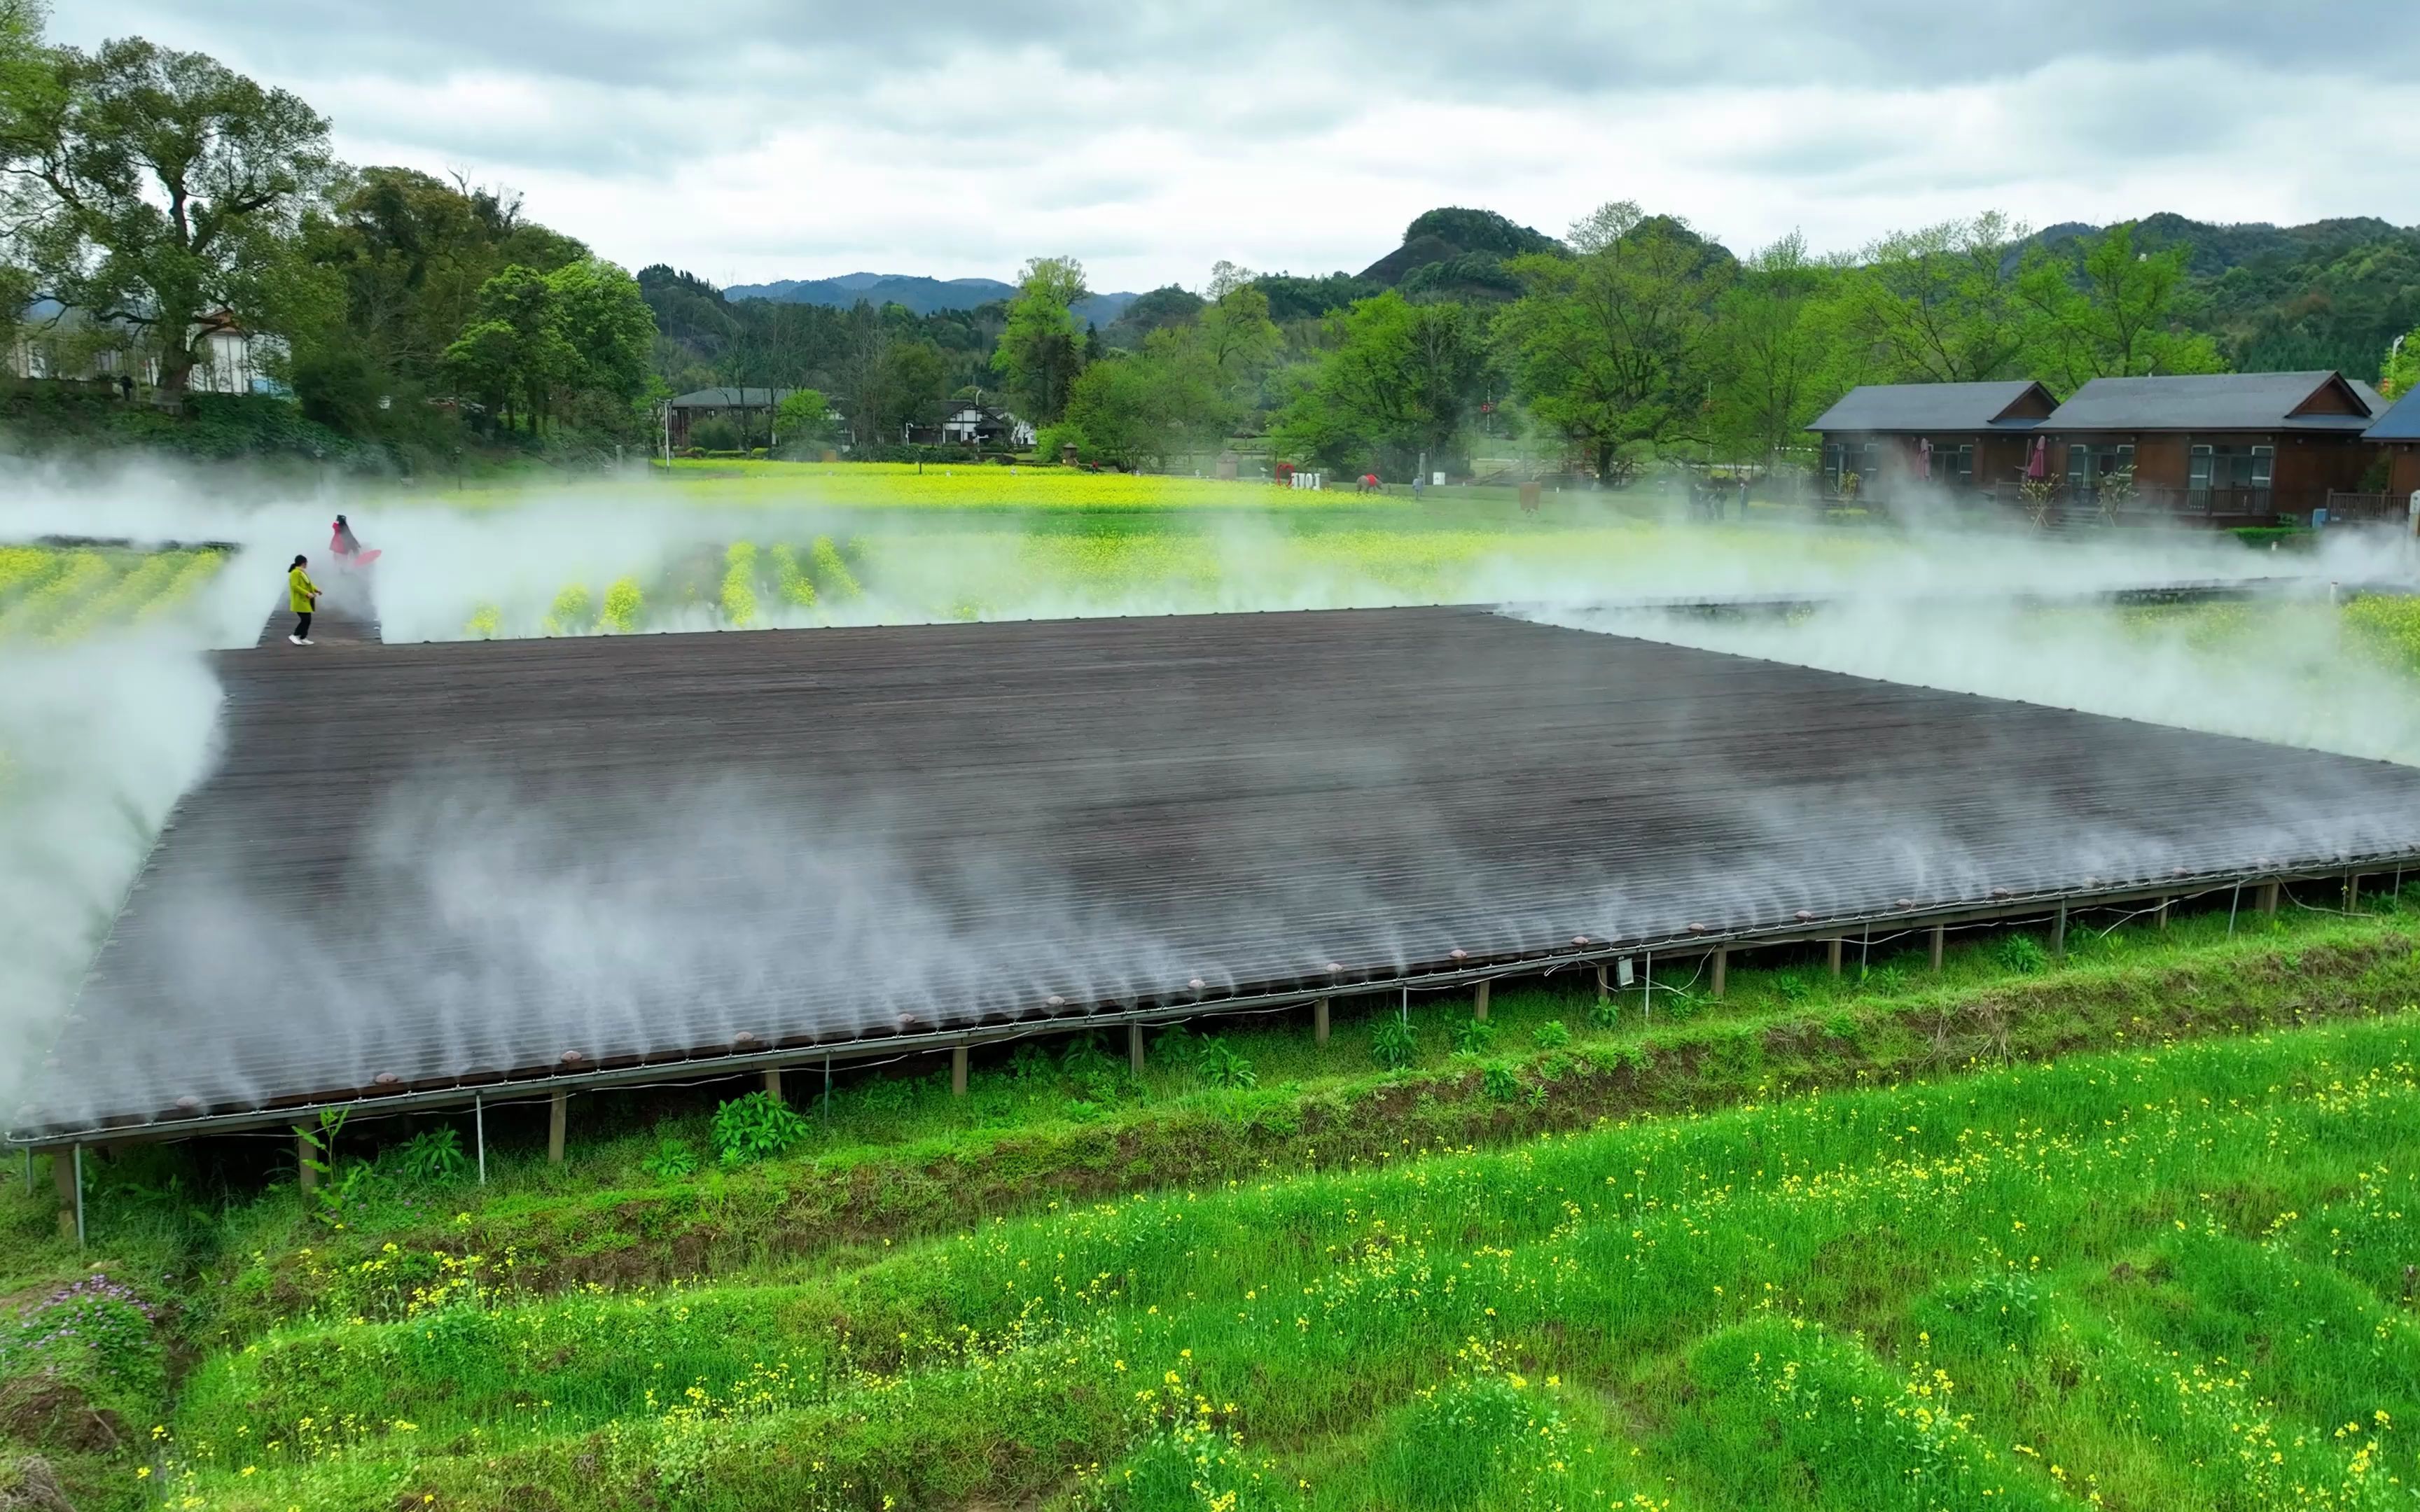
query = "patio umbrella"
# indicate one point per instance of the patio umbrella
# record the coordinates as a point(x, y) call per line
point(2037, 460)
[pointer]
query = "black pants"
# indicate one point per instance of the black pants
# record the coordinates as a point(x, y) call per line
point(302, 625)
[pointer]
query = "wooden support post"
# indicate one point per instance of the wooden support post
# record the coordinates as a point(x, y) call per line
point(1479, 1001)
point(1134, 1050)
point(304, 1153)
point(1940, 938)
point(2058, 933)
point(558, 1113)
point(1832, 955)
point(1604, 988)
point(959, 1071)
point(773, 1083)
point(2161, 916)
point(63, 1176)
point(2352, 891)
point(1722, 967)
point(1319, 1020)
point(2268, 899)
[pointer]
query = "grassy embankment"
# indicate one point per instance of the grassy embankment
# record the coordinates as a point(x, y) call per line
point(1524, 1275)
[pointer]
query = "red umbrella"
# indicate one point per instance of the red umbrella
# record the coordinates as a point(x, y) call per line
point(1924, 459)
point(2037, 461)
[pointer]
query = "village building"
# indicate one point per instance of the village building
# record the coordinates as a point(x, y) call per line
point(2398, 432)
point(1881, 437)
point(2223, 448)
point(971, 422)
point(751, 411)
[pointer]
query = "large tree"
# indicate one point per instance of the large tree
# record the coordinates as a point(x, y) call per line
point(1398, 381)
point(1779, 353)
point(1609, 345)
point(1043, 348)
point(160, 190)
point(1941, 306)
point(2102, 309)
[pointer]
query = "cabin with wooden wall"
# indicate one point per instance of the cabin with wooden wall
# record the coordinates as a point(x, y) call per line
point(2222, 448)
point(2398, 432)
point(1955, 436)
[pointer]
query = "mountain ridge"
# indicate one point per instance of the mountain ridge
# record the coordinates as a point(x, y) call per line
point(917, 292)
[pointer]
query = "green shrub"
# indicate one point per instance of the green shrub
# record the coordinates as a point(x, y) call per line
point(430, 1156)
point(1887, 980)
point(832, 576)
point(1498, 1081)
point(1392, 1041)
point(1605, 1011)
point(2023, 954)
point(756, 1127)
point(1551, 1035)
point(1220, 1065)
point(624, 603)
point(670, 1160)
point(1472, 1037)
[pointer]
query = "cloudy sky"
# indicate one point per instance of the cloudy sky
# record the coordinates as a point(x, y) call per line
point(749, 140)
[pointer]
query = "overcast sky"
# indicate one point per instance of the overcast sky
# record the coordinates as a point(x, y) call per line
point(747, 140)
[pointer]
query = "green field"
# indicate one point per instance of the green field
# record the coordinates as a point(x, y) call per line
point(2013, 1235)
point(65, 593)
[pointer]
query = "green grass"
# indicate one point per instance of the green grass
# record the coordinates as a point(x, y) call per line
point(1611, 1287)
point(1881, 1298)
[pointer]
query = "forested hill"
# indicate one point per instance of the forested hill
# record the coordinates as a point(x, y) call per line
point(2329, 294)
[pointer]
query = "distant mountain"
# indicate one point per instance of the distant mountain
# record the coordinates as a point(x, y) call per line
point(919, 293)
point(1453, 253)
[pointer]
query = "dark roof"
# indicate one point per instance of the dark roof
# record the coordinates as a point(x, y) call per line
point(447, 863)
point(1933, 407)
point(2211, 401)
point(2400, 422)
point(729, 398)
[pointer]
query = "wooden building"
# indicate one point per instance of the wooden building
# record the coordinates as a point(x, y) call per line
point(751, 411)
point(2221, 448)
point(2398, 431)
point(1881, 437)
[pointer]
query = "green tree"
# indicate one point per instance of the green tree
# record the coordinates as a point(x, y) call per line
point(2102, 309)
point(803, 418)
point(513, 356)
point(157, 188)
point(1041, 349)
point(607, 332)
point(1611, 345)
point(2399, 370)
point(1941, 304)
point(1398, 380)
point(1779, 354)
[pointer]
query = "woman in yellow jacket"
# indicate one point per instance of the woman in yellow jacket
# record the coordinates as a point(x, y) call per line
point(300, 594)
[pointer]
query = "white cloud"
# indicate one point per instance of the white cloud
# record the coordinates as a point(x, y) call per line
point(748, 142)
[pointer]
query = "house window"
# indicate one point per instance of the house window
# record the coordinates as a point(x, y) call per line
point(2230, 468)
point(1953, 463)
point(2087, 465)
point(1841, 459)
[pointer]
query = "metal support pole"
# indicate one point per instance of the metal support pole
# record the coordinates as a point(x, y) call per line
point(1134, 1050)
point(1479, 1002)
point(79, 1196)
point(1646, 985)
point(959, 1071)
point(1865, 951)
point(2059, 932)
point(66, 1178)
point(827, 1088)
point(1722, 968)
point(1832, 955)
point(558, 1114)
point(1940, 938)
point(2234, 902)
point(479, 1134)
point(1319, 1020)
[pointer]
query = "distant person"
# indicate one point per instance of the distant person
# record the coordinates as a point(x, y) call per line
point(300, 594)
point(341, 539)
